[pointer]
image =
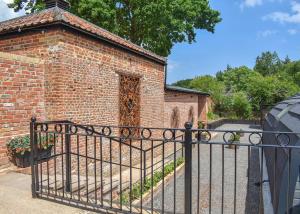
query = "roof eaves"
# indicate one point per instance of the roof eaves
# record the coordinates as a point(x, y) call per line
point(185, 90)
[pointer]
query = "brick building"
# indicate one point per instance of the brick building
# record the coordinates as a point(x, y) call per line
point(57, 66)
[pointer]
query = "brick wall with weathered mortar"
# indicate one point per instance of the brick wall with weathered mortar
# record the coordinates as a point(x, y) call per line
point(184, 102)
point(22, 95)
point(82, 77)
point(92, 73)
point(204, 106)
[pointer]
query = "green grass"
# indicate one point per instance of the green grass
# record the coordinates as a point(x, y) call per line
point(138, 190)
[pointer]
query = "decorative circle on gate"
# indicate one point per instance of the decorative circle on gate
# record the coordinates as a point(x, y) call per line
point(125, 132)
point(89, 130)
point(231, 136)
point(44, 127)
point(283, 139)
point(204, 136)
point(169, 132)
point(58, 128)
point(73, 129)
point(106, 131)
point(146, 133)
point(259, 139)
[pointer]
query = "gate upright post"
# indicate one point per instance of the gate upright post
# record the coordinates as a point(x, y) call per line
point(145, 170)
point(33, 140)
point(188, 168)
point(68, 157)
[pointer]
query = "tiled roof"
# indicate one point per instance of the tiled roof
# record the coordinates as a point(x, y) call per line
point(56, 15)
point(185, 90)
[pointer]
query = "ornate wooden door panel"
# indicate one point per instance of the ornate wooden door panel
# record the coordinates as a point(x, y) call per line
point(129, 101)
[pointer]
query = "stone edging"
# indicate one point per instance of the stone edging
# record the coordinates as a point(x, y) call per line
point(147, 194)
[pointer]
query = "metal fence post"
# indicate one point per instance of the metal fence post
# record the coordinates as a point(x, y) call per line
point(68, 157)
point(34, 186)
point(188, 168)
point(145, 169)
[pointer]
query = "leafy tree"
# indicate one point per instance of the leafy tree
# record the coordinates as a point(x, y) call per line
point(155, 25)
point(212, 86)
point(297, 78)
point(183, 83)
point(241, 105)
point(241, 91)
point(220, 74)
point(236, 79)
point(269, 90)
point(268, 63)
point(287, 60)
point(292, 70)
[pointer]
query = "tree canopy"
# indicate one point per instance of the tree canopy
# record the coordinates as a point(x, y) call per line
point(241, 91)
point(154, 25)
point(268, 63)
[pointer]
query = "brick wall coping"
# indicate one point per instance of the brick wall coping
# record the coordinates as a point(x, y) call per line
point(24, 59)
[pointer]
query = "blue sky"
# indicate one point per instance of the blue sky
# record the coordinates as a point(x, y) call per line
point(248, 28)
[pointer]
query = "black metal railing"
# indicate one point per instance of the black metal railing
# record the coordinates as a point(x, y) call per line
point(157, 170)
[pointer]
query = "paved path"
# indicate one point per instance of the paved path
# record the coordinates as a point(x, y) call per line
point(15, 198)
point(246, 201)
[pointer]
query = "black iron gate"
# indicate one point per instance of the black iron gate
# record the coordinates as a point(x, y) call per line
point(154, 170)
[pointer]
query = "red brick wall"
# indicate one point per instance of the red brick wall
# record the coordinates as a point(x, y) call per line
point(204, 104)
point(80, 82)
point(81, 78)
point(184, 102)
point(91, 73)
point(22, 95)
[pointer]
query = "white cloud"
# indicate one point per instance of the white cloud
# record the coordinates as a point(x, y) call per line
point(266, 33)
point(7, 13)
point(254, 3)
point(251, 3)
point(283, 17)
point(292, 31)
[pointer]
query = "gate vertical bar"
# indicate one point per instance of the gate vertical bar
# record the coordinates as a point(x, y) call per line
point(145, 167)
point(32, 159)
point(188, 168)
point(68, 158)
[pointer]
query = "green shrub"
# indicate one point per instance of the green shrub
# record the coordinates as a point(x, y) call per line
point(138, 190)
point(201, 125)
point(241, 105)
point(235, 137)
point(212, 116)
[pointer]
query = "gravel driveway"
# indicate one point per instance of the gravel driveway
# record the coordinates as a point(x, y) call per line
point(247, 193)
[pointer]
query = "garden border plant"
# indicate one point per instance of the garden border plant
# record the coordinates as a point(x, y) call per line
point(139, 190)
point(234, 140)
